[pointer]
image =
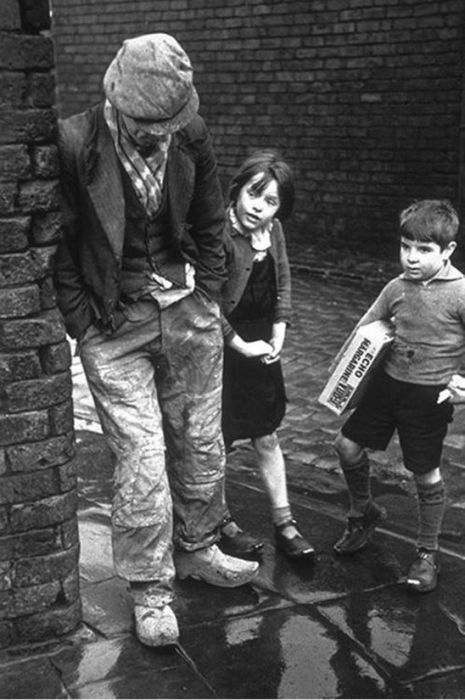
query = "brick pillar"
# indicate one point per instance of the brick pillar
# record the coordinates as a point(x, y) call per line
point(39, 548)
point(461, 174)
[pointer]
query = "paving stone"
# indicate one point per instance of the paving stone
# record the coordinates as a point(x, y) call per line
point(286, 653)
point(35, 678)
point(123, 668)
point(402, 629)
point(107, 607)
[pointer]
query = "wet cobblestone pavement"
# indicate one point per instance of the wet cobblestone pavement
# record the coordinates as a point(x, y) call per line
point(340, 628)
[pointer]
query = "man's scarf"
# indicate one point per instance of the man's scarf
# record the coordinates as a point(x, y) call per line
point(146, 174)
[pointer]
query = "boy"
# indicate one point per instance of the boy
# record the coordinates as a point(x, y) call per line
point(426, 303)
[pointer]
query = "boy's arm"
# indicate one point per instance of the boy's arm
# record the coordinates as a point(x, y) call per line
point(380, 310)
point(455, 390)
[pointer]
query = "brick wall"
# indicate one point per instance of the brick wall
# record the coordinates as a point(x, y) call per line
point(362, 96)
point(39, 592)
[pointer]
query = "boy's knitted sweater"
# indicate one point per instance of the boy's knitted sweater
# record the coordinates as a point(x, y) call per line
point(429, 320)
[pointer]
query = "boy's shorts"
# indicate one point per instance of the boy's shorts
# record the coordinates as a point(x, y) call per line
point(389, 404)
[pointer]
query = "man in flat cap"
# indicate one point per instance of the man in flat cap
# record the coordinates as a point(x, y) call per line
point(138, 277)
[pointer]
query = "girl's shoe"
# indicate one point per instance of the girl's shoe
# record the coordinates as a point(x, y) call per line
point(238, 543)
point(423, 574)
point(295, 547)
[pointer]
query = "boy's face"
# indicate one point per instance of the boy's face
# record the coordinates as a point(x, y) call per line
point(421, 260)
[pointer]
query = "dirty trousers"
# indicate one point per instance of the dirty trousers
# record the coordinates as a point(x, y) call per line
point(156, 383)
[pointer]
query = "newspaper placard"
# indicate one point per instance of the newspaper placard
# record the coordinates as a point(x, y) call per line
point(353, 365)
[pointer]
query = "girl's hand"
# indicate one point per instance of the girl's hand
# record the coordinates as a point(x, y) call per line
point(276, 342)
point(255, 348)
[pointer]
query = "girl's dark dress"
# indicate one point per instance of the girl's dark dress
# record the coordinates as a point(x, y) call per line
point(254, 397)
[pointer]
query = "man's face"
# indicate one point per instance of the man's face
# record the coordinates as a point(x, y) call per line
point(141, 132)
point(421, 260)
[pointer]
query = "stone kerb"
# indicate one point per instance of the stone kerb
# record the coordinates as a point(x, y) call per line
point(39, 547)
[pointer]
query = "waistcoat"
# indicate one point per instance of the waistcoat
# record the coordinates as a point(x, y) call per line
point(147, 243)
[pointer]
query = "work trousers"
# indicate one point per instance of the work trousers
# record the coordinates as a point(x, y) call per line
point(156, 383)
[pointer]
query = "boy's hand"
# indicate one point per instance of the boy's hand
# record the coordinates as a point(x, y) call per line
point(455, 390)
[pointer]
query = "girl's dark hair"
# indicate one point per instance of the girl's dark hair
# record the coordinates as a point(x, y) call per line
point(273, 167)
point(430, 220)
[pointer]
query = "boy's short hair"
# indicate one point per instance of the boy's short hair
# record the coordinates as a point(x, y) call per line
point(273, 167)
point(430, 220)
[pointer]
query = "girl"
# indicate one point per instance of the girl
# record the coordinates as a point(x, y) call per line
point(256, 310)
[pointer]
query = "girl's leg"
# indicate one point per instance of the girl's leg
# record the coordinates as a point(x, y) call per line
point(273, 472)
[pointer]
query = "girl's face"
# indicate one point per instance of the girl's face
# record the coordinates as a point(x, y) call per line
point(256, 209)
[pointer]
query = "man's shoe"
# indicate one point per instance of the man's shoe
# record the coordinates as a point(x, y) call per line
point(156, 627)
point(359, 529)
point(295, 547)
point(237, 542)
point(423, 574)
point(214, 567)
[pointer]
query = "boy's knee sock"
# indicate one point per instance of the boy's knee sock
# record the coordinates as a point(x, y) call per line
point(431, 502)
point(357, 478)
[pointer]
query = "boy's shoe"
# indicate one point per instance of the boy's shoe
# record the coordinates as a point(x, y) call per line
point(156, 627)
point(359, 529)
point(423, 574)
point(296, 547)
point(214, 567)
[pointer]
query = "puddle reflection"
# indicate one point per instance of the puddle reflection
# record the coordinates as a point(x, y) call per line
point(402, 630)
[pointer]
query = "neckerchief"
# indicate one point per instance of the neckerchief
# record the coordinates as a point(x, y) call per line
point(259, 238)
point(146, 174)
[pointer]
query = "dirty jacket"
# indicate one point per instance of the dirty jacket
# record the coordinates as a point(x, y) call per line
point(89, 256)
point(239, 262)
point(429, 321)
